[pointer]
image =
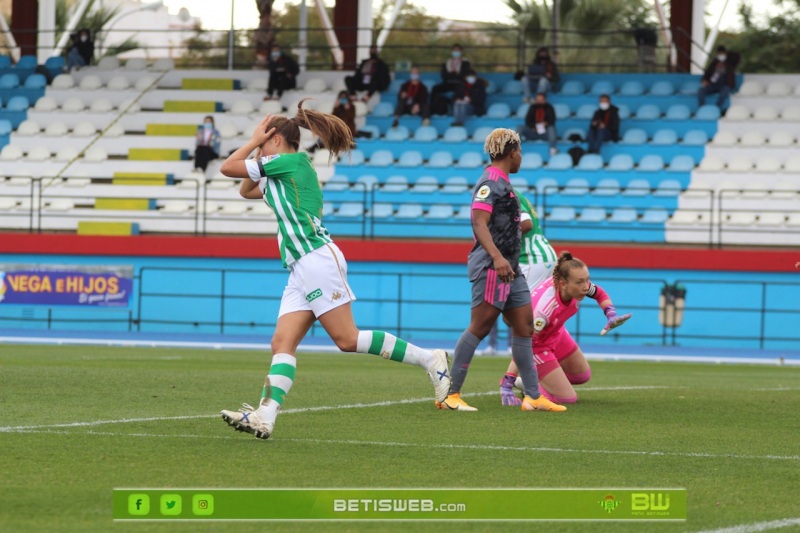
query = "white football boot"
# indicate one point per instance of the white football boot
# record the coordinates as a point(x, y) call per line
point(439, 375)
point(247, 419)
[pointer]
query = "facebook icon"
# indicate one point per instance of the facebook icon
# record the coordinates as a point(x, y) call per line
point(138, 504)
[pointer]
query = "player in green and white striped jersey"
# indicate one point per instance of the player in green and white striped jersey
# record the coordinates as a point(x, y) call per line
point(537, 258)
point(317, 288)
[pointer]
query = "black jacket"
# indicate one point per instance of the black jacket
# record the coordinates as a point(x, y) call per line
point(610, 118)
point(450, 77)
point(283, 65)
point(731, 62)
point(476, 93)
point(379, 70)
point(549, 115)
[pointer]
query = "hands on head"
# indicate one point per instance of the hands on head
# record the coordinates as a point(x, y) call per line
point(263, 132)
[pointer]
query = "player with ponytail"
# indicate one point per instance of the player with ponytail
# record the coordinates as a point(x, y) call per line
point(317, 288)
point(560, 363)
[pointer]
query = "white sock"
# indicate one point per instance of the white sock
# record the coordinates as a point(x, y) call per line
point(281, 377)
point(390, 347)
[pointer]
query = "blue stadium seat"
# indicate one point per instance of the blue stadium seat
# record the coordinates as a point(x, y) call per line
point(398, 134)
point(381, 158)
point(665, 138)
point(592, 214)
point(520, 184)
point(410, 159)
point(498, 110)
point(383, 109)
point(546, 186)
point(707, 112)
point(562, 214)
point(366, 182)
point(5, 127)
point(35, 81)
point(470, 160)
point(337, 182)
point(327, 209)
point(695, 138)
point(522, 110)
point(27, 62)
point(440, 159)
point(440, 212)
point(5, 62)
point(634, 136)
point(637, 187)
point(356, 157)
point(426, 134)
point(54, 63)
point(602, 87)
point(573, 88)
point(662, 88)
point(651, 163)
point(620, 163)
point(681, 163)
point(562, 111)
point(531, 161)
point(590, 162)
point(512, 87)
point(425, 185)
point(623, 215)
point(648, 112)
point(381, 210)
point(690, 87)
point(481, 133)
point(455, 134)
point(456, 185)
point(573, 131)
point(606, 187)
point(586, 111)
point(560, 162)
point(18, 103)
point(632, 88)
point(350, 210)
point(624, 111)
point(395, 184)
point(369, 128)
point(409, 211)
point(464, 212)
point(655, 215)
point(678, 112)
point(491, 87)
point(394, 87)
point(668, 188)
point(9, 81)
point(576, 187)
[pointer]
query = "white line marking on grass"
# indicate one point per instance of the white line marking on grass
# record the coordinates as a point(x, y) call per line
point(753, 528)
point(777, 389)
point(6, 429)
point(486, 447)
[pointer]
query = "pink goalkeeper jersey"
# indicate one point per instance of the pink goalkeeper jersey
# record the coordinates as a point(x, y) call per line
point(550, 314)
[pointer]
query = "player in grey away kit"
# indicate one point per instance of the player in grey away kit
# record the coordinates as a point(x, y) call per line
point(498, 285)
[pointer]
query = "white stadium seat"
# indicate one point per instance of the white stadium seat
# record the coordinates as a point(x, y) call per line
point(10, 152)
point(752, 138)
point(765, 113)
point(793, 220)
point(28, 128)
point(740, 163)
point(315, 85)
point(55, 129)
point(108, 63)
point(792, 165)
point(95, 154)
point(73, 105)
point(65, 154)
point(46, 104)
point(725, 138)
point(684, 217)
point(791, 113)
point(136, 63)
point(228, 130)
point(242, 107)
point(257, 85)
point(270, 107)
point(144, 83)
point(785, 190)
point(60, 204)
point(134, 106)
point(164, 64)
point(114, 131)
point(768, 164)
point(778, 88)
point(91, 83)
point(751, 88)
point(745, 218)
point(84, 129)
point(101, 105)
point(754, 190)
point(38, 153)
point(712, 163)
point(63, 81)
point(781, 138)
point(771, 219)
point(118, 83)
point(236, 208)
point(737, 113)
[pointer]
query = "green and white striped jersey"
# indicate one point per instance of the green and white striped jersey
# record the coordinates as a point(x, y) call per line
point(292, 190)
point(535, 247)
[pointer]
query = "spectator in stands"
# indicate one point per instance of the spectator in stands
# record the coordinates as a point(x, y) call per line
point(345, 110)
point(719, 77)
point(542, 74)
point(604, 126)
point(372, 75)
point(82, 51)
point(470, 98)
point(412, 99)
point(283, 72)
point(454, 70)
point(207, 144)
point(540, 123)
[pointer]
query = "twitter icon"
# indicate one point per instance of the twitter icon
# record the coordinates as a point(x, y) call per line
point(171, 504)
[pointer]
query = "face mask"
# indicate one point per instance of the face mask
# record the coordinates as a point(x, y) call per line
point(470, 79)
point(84, 38)
point(275, 55)
point(722, 57)
point(343, 101)
point(456, 54)
point(207, 125)
point(604, 106)
point(414, 76)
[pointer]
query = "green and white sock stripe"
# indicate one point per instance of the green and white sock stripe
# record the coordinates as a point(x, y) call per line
point(281, 376)
point(388, 346)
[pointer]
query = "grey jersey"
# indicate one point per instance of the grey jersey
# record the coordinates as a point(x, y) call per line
point(493, 193)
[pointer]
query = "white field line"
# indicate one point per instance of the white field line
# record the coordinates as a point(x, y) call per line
point(759, 526)
point(7, 429)
point(482, 447)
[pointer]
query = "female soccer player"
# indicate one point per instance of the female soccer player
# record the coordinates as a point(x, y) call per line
point(498, 285)
point(559, 361)
point(317, 288)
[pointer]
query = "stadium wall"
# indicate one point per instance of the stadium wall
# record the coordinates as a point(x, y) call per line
point(735, 298)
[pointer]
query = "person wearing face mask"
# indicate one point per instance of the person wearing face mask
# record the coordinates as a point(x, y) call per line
point(207, 144)
point(719, 78)
point(540, 123)
point(412, 98)
point(81, 52)
point(604, 126)
point(453, 72)
point(470, 99)
point(283, 72)
point(343, 109)
point(542, 74)
point(372, 75)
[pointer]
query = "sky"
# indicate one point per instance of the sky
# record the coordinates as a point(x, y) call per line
point(216, 14)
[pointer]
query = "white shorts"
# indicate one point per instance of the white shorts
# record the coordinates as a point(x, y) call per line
point(536, 273)
point(317, 283)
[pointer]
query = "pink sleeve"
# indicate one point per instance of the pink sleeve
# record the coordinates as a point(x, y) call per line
point(482, 206)
point(600, 295)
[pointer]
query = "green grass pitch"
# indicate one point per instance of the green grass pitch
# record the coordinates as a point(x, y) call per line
point(729, 434)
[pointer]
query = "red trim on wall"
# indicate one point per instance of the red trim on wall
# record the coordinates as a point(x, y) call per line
point(453, 252)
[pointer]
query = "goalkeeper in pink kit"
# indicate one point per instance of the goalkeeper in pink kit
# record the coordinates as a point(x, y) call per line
point(559, 361)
